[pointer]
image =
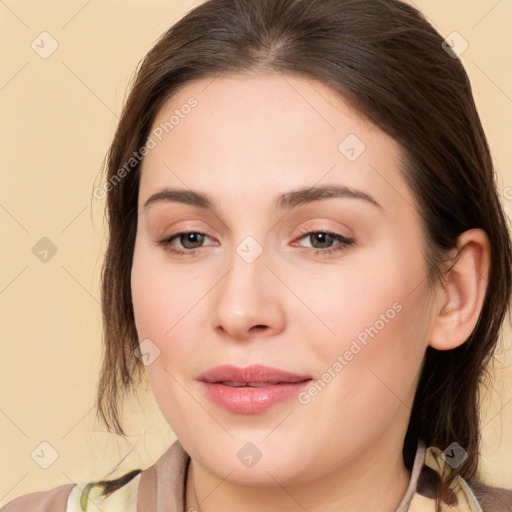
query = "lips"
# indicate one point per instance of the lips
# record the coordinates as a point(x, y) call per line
point(251, 389)
point(254, 374)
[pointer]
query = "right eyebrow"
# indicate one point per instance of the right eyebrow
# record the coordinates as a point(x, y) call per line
point(180, 196)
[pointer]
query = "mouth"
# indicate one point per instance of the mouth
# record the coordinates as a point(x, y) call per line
point(252, 389)
point(254, 375)
point(249, 384)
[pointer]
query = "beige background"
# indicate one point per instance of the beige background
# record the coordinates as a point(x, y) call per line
point(59, 115)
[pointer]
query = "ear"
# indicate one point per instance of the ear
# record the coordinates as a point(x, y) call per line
point(460, 302)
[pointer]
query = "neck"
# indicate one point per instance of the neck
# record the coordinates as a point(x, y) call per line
point(376, 481)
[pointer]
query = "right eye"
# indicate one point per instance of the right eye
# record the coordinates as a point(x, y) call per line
point(189, 241)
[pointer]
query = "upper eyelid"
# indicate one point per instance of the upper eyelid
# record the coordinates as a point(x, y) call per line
point(342, 239)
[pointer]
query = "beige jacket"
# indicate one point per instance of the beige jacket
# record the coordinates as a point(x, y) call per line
point(161, 488)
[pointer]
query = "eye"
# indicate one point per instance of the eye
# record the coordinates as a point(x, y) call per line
point(321, 241)
point(191, 242)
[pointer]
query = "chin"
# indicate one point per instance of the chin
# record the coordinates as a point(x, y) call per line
point(253, 464)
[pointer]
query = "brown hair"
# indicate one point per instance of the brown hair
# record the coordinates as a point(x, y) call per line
point(388, 62)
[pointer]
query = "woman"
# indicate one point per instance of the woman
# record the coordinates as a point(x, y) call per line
point(309, 261)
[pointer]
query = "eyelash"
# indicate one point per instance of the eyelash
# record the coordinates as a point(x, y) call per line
point(344, 243)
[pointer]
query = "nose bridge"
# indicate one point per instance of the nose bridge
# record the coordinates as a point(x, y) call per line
point(246, 297)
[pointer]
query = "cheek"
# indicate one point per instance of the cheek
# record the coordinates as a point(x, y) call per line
point(368, 372)
point(162, 306)
point(162, 297)
point(374, 298)
point(171, 310)
point(377, 321)
point(156, 305)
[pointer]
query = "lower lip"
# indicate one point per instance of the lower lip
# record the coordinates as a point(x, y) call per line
point(251, 400)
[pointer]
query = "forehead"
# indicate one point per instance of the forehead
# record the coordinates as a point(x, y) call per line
point(267, 131)
point(269, 107)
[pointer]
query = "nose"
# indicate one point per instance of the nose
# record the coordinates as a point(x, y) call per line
point(248, 303)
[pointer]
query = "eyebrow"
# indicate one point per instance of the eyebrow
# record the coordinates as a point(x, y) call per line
point(283, 202)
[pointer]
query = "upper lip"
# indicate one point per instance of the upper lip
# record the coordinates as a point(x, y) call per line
point(253, 373)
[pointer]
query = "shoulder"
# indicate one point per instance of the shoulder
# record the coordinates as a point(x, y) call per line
point(135, 490)
point(52, 500)
point(492, 499)
point(461, 494)
point(119, 495)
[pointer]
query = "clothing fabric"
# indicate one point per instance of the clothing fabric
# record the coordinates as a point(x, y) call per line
point(161, 488)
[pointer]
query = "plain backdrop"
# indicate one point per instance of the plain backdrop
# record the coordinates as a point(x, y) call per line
point(65, 69)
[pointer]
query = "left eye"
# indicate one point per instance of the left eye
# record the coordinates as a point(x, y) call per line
point(325, 240)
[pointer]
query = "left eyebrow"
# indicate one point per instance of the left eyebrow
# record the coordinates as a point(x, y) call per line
point(310, 194)
point(284, 201)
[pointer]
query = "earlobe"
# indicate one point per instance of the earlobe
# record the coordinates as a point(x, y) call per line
point(460, 303)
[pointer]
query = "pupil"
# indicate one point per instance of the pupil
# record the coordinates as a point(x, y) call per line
point(325, 239)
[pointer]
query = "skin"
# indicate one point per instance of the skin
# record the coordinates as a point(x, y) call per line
point(249, 140)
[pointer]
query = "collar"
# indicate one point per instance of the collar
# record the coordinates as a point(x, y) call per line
point(435, 471)
point(162, 487)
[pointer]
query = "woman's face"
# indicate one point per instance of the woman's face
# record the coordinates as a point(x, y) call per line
point(329, 287)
